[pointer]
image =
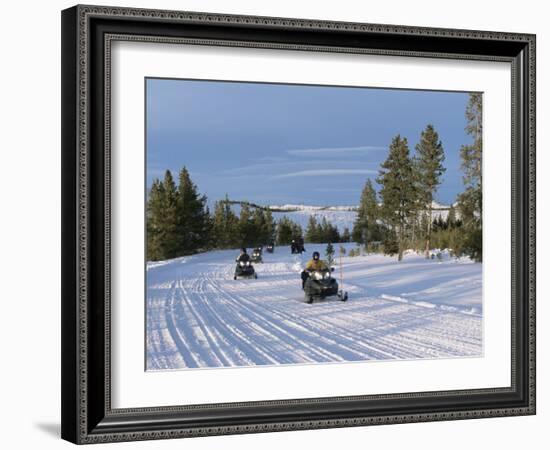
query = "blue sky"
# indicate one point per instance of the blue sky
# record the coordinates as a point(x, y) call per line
point(275, 143)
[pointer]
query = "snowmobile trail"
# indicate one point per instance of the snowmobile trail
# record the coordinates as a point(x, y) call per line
point(198, 316)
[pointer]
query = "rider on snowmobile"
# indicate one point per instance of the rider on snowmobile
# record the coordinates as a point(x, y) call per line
point(316, 263)
point(313, 265)
point(243, 257)
point(244, 267)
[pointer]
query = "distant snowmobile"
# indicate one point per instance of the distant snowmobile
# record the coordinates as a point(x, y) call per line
point(320, 284)
point(244, 268)
point(297, 246)
point(270, 248)
point(257, 255)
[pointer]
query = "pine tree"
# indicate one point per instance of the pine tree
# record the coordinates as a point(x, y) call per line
point(346, 237)
point(284, 231)
point(324, 230)
point(334, 234)
point(312, 230)
point(259, 227)
point(287, 230)
point(421, 221)
point(470, 201)
point(207, 232)
point(438, 224)
point(365, 227)
point(297, 231)
point(178, 218)
point(329, 252)
point(245, 227)
point(451, 217)
point(155, 210)
point(164, 220)
point(423, 225)
point(193, 218)
point(170, 237)
point(429, 166)
point(472, 154)
point(270, 226)
point(225, 233)
point(398, 192)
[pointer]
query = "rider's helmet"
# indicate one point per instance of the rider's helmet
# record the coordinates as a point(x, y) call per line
point(316, 256)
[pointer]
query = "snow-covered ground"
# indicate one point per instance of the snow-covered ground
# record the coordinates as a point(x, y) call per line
point(198, 316)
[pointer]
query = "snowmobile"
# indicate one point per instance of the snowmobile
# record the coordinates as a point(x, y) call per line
point(244, 269)
point(270, 248)
point(297, 246)
point(321, 284)
point(256, 256)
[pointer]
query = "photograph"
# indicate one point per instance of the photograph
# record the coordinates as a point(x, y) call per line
point(292, 224)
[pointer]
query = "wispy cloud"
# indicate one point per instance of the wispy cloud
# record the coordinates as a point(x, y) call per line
point(336, 189)
point(258, 168)
point(272, 159)
point(325, 172)
point(274, 168)
point(334, 151)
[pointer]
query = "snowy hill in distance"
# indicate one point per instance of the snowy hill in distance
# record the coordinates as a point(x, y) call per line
point(291, 207)
point(339, 216)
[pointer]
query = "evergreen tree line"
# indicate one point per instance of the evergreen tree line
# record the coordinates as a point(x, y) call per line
point(400, 216)
point(287, 230)
point(322, 231)
point(179, 222)
point(252, 227)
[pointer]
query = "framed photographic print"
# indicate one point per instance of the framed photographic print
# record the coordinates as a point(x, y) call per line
point(277, 224)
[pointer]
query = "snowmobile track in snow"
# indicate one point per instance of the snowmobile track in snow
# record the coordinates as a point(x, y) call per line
point(198, 316)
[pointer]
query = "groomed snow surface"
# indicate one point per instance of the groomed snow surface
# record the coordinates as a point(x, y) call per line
point(198, 316)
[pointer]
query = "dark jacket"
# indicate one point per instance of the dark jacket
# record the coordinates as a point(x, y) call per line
point(243, 257)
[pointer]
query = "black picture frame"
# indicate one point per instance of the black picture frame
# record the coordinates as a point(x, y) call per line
point(87, 415)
